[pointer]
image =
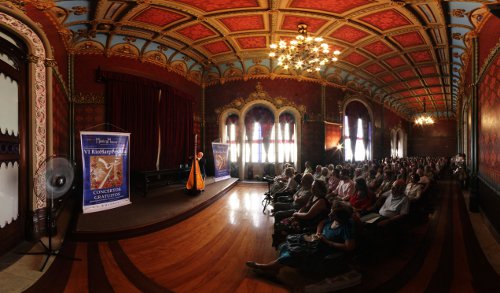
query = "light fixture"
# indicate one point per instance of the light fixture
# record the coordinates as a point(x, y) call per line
point(303, 53)
point(424, 119)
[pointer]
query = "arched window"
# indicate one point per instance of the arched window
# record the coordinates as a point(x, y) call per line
point(357, 132)
point(232, 132)
point(259, 124)
point(287, 148)
point(359, 153)
point(347, 140)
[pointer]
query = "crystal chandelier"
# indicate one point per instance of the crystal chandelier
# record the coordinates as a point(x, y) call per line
point(303, 53)
point(424, 119)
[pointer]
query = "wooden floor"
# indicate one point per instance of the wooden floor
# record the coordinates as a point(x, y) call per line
point(207, 253)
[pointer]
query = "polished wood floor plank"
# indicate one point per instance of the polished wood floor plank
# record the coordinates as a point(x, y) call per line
point(78, 279)
point(207, 252)
point(117, 279)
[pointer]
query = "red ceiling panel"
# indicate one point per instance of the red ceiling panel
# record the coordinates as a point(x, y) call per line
point(378, 48)
point(217, 47)
point(406, 74)
point(244, 23)
point(252, 42)
point(348, 34)
point(409, 39)
point(435, 89)
point(428, 70)
point(387, 19)
point(432, 81)
point(395, 61)
point(388, 78)
point(398, 87)
point(421, 56)
point(374, 68)
point(335, 6)
point(420, 92)
point(414, 83)
point(214, 5)
point(196, 32)
point(292, 21)
point(158, 17)
point(355, 58)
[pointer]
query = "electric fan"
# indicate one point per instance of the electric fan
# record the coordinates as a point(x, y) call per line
point(53, 179)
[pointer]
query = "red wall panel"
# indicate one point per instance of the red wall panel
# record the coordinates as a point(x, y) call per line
point(439, 139)
point(60, 119)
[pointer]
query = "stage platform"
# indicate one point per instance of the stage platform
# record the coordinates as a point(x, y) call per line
point(161, 208)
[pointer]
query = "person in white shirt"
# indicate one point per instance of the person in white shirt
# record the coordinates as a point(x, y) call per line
point(396, 204)
point(346, 187)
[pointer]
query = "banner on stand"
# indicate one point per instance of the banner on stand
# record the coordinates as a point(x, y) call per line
point(221, 160)
point(105, 160)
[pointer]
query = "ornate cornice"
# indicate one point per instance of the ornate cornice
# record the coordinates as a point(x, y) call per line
point(260, 94)
point(88, 98)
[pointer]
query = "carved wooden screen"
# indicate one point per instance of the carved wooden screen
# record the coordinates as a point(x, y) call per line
point(13, 129)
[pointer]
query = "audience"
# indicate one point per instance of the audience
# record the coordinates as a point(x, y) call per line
point(336, 233)
point(381, 194)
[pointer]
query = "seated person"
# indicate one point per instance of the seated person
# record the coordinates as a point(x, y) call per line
point(363, 198)
point(291, 185)
point(373, 182)
point(345, 188)
point(324, 174)
point(317, 173)
point(395, 206)
point(315, 210)
point(413, 189)
point(424, 180)
point(284, 208)
point(281, 181)
point(333, 181)
point(336, 233)
point(386, 183)
point(308, 169)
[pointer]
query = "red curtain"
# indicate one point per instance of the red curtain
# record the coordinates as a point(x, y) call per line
point(131, 104)
point(176, 124)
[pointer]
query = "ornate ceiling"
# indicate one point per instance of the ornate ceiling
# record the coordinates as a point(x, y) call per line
point(404, 53)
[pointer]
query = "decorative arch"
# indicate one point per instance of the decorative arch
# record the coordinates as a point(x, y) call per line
point(260, 97)
point(39, 58)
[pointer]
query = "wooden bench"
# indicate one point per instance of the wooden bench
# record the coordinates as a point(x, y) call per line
point(145, 180)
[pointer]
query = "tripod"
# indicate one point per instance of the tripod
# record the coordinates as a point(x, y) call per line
point(51, 229)
point(269, 198)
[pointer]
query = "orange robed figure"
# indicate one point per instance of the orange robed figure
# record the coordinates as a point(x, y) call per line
point(195, 181)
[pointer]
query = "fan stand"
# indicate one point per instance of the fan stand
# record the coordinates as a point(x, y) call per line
point(49, 250)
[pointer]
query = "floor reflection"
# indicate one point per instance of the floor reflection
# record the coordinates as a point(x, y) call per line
point(246, 205)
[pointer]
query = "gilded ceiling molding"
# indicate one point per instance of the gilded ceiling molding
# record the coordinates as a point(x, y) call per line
point(14, 4)
point(260, 94)
point(88, 98)
point(488, 61)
